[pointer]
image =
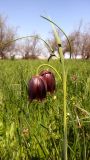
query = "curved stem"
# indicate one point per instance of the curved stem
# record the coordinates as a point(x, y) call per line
point(2, 44)
point(50, 67)
point(61, 31)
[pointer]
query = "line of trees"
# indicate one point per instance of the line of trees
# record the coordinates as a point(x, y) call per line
point(79, 41)
point(80, 44)
point(30, 48)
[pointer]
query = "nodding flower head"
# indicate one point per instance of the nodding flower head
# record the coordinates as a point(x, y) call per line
point(49, 79)
point(37, 88)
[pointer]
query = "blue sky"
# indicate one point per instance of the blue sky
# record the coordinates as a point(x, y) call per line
point(25, 14)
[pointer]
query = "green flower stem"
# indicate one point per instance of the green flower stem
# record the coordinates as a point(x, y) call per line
point(60, 52)
point(42, 65)
point(64, 89)
point(65, 118)
point(64, 101)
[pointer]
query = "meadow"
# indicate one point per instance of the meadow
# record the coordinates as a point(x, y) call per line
point(34, 130)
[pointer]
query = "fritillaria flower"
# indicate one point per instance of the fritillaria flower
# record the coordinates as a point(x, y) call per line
point(50, 80)
point(37, 88)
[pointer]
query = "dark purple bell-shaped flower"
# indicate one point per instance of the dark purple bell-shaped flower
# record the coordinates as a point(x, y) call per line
point(50, 80)
point(37, 88)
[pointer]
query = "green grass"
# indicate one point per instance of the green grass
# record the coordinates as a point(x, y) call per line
point(34, 130)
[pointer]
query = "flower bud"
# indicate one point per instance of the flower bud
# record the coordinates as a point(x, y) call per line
point(37, 88)
point(49, 79)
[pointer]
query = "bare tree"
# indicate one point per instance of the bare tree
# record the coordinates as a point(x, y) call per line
point(85, 46)
point(7, 34)
point(80, 43)
point(66, 47)
point(31, 48)
point(75, 42)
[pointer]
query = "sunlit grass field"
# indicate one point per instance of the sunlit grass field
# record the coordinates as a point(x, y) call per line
point(34, 130)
